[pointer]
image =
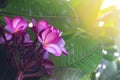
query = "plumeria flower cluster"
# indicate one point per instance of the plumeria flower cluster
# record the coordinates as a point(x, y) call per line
point(31, 57)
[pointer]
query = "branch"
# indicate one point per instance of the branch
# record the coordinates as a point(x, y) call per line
point(15, 61)
point(37, 74)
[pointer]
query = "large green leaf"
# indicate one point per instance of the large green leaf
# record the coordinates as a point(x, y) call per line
point(64, 74)
point(84, 53)
point(58, 12)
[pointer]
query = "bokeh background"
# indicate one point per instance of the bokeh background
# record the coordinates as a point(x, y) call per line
point(91, 29)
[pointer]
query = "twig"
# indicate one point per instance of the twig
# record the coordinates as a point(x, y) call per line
point(15, 60)
point(37, 74)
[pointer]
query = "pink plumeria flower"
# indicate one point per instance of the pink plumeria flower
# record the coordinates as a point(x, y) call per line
point(42, 25)
point(52, 41)
point(16, 24)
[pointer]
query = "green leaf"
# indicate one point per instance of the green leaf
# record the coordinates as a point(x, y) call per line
point(109, 57)
point(111, 68)
point(57, 12)
point(86, 78)
point(84, 53)
point(64, 74)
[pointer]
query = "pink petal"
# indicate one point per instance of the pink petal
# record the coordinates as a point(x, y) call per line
point(55, 30)
point(1, 40)
point(51, 37)
point(8, 21)
point(64, 51)
point(8, 36)
point(15, 21)
point(22, 25)
point(27, 38)
point(54, 49)
point(34, 28)
point(44, 34)
point(43, 23)
point(39, 38)
point(61, 42)
point(34, 22)
point(10, 29)
point(46, 55)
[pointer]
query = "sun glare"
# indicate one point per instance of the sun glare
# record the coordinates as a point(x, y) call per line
point(108, 3)
point(101, 23)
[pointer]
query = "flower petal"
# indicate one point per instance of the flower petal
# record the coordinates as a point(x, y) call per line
point(64, 51)
point(7, 36)
point(46, 55)
point(55, 30)
point(8, 21)
point(16, 24)
point(51, 38)
point(43, 24)
point(10, 29)
point(44, 34)
point(39, 38)
point(34, 22)
point(61, 42)
point(22, 25)
point(54, 49)
point(15, 21)
point(1, 40)
point(27, 38)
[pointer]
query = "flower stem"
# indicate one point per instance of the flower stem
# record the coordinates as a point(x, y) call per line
point(20, 76)
point(30, 64)
point(15, 61)
point(37, 74)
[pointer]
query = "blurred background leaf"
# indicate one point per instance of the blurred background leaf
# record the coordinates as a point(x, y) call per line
point(110, 68)
point(3, 3)
point(64, 74)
